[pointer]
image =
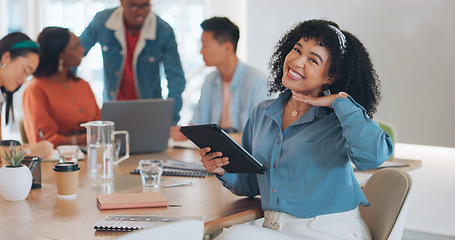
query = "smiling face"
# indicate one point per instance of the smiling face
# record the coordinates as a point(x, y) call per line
point(73, 52)
point(17, 70)
point(306, 68)
point(135, 12)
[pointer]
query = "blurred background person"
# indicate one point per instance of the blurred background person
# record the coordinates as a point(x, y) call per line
point(135, 42)
point(231, 91)
point(19, 59)
point(56, 100)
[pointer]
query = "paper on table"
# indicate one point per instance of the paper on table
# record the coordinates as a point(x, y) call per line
point(54, 157)
point(182, 144)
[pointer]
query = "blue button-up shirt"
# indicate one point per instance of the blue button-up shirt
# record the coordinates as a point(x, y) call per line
point(309, 164)
point(248, 88)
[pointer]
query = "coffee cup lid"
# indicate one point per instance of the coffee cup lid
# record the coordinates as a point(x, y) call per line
point(66, 167)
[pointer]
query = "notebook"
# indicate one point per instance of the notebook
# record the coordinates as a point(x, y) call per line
point(147, 121)
point(181, 169)
point(386, 164)
point(364, 176)
point(127, 223)
point(130, 200)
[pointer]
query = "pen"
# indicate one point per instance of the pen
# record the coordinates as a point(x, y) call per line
point(178, 184)
point(40, 132)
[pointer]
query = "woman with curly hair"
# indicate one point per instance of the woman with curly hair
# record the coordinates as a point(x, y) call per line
point(309, 136)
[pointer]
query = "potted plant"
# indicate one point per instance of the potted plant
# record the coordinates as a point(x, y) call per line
point(15, 178)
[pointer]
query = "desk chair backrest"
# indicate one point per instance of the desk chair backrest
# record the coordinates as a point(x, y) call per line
point(188, 230)
point(388, 192)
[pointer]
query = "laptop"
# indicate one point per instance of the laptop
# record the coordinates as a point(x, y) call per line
point(147, 121)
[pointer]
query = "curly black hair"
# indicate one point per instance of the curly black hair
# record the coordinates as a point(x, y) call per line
point(352, 70)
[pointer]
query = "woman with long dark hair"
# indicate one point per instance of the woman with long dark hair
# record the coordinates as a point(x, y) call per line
point(19, 57)
point(56, 100)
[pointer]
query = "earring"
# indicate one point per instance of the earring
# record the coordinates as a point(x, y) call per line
point(326, 90)
point(60, 65)
point(3, 65)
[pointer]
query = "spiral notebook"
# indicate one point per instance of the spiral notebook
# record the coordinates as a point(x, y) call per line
point(363, 176)
point(127, 223)
point(181, 169)
point(386, 164)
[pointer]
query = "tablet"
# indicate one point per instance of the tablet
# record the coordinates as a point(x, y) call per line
point(213, 136)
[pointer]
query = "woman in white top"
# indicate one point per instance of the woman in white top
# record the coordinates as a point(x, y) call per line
point(19, 57)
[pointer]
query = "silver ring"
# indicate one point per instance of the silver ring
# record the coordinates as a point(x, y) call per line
point(211, 155)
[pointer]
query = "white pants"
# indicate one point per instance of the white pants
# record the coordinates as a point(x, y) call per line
point(277, 225)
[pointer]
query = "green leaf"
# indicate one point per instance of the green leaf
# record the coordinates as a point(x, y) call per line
point(15, 157)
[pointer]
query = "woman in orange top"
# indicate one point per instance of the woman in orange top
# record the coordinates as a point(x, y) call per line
point(56, 100)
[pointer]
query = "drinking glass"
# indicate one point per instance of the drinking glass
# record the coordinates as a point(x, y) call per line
point(151, 171)
point(68, 153)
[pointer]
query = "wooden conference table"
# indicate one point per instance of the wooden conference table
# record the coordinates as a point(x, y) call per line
point(44, 216)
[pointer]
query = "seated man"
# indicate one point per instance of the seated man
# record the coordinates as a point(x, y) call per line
point(230, 92)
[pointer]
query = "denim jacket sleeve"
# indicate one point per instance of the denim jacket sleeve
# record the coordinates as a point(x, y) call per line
point(174, 73)
point(88, 37)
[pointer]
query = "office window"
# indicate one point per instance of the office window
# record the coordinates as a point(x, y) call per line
point(31, 16)
point(185, 16)
point(16, 16)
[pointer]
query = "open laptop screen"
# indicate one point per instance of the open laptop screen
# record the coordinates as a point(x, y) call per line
point(147, 120)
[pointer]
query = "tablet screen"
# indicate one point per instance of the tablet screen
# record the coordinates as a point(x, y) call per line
point(213, 136)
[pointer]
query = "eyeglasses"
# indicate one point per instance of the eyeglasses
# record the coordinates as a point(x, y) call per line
point(135, 7)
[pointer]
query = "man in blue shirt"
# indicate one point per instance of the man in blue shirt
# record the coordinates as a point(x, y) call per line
point(231, 91)
point(135, 42)
point(234, 88)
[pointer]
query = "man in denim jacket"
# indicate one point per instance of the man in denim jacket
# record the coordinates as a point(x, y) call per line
point(134, 42)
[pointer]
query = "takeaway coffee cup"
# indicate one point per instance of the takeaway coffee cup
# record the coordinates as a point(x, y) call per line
point(67, 175)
